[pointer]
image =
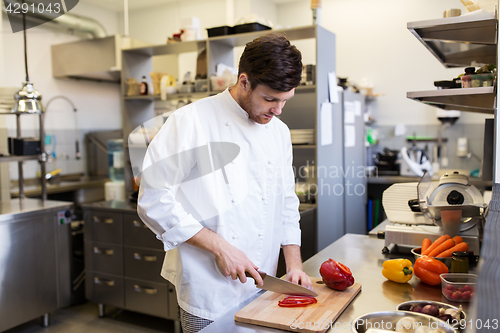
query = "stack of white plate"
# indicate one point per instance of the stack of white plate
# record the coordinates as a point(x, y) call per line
point(302, 136)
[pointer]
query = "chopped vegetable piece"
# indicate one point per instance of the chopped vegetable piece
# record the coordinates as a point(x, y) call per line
point(296, 301)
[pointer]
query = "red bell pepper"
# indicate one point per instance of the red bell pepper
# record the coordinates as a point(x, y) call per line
point(335, 275)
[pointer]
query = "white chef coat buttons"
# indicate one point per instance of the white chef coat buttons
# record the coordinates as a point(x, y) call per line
point(232, 200)
point(269, 162)
point(227, 123)
point(261, 234)
point(235, 236)
point(263, 199)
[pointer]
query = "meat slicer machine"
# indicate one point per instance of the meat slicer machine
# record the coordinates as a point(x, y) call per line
point(413, 219)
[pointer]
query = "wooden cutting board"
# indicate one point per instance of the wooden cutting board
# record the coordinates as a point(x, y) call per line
point(264, 310)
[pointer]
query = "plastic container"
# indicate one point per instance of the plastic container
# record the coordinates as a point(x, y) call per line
point(477, 80)
point(115, 160)
point(220, 31)
point(219, 83)
point(458, 287)
point(249, 27)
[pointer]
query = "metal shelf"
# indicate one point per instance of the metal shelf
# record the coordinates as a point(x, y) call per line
point(458, 41)
point(480, 100)
point(299, 89)
point(13, 158)
point(170, 96)
point(299, 146)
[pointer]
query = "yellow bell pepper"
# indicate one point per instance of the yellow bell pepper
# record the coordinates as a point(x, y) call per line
point(397, 270)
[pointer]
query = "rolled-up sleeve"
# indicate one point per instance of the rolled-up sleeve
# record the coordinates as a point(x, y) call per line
point(165, 165)
point(291, 215)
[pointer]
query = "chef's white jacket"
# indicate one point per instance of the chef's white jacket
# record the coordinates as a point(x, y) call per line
point(211, 166)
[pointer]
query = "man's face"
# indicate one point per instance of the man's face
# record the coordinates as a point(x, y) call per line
point(263, 103)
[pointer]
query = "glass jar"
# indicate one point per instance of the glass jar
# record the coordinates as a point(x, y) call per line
point(460, 262)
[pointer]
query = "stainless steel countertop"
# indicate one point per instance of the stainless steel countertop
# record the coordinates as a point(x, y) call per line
point(127, 206)
point(363, 255)
point(115, 205)
point(63, 186)
point(15, 207)
point(379, 179)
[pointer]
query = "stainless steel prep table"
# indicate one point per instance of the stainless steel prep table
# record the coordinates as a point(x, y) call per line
point(34, 260)
point(362, 254)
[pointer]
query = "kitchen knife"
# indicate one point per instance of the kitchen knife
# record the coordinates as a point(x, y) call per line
point(282, 286)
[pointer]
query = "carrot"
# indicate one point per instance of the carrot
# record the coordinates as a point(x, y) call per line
point(448, 244)
point(435, 244)
point(458, 239)
point(461, 247)
point(425, 244)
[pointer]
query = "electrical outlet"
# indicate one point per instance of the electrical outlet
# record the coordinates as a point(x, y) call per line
point(462, 147)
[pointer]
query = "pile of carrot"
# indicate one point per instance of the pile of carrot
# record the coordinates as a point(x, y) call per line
point(444, 246)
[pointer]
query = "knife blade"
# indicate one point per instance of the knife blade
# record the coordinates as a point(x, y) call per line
point(277, 285)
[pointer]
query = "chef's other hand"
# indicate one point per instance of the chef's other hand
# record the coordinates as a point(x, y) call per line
point(298, 276)
point(233, 262)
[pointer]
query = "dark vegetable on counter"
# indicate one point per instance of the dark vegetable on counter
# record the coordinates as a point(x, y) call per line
point(335, 275)
point(431, 310)
point(446, 317)
point(416, 308)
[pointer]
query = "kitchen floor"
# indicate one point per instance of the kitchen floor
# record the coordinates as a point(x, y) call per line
point(83, 318)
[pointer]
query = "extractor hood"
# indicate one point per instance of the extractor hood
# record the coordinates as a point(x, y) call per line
point(97, 59)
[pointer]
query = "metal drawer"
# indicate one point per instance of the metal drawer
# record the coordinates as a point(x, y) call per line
point(104, 257)
point(143, 264)
point(136, 233)
point(103, 226)
point(104, 288)
point(148, 297)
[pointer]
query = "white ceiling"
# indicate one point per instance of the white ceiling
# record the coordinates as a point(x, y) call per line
point(117, 5)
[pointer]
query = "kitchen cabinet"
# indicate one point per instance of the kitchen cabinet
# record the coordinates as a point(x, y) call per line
point(302, 112)
point(34, 273)
point(123, 262)
point(456, 42)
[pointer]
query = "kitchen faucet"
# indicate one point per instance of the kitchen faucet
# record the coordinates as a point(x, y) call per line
point(77, 141)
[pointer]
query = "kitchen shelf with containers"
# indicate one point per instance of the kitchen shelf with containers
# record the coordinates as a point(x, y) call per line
point(460, 42)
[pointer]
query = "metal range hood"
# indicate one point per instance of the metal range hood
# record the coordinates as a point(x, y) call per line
point(94, 59)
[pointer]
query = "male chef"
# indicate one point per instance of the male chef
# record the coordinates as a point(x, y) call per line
point(218, 187)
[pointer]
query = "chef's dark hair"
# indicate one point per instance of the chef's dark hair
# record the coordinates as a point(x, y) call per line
point(271, 60)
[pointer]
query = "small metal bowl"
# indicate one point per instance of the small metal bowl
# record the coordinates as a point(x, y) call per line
point(416, 253)
point(405, 306)
point(387, 320)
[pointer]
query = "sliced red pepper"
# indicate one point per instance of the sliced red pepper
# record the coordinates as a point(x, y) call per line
point(296, 301)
